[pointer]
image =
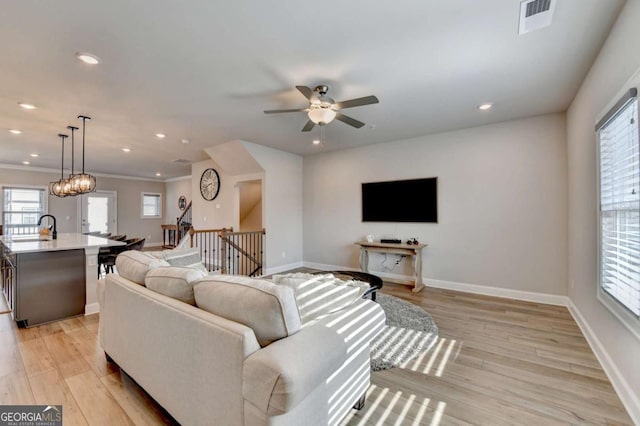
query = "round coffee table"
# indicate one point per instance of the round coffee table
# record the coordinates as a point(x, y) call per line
point(375, 282)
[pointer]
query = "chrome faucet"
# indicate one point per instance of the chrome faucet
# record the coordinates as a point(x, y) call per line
point(54, 235)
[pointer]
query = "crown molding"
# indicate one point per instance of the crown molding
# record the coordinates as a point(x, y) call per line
point(105, 175)
point(179, 178)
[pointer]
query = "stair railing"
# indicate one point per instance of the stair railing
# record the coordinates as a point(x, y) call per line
point(234, 253)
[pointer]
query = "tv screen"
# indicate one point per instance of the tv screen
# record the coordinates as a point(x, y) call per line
point(414, 200)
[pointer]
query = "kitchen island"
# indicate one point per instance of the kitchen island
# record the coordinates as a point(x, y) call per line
point(46, 280)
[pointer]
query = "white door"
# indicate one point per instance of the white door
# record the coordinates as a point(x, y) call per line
point(99, 212)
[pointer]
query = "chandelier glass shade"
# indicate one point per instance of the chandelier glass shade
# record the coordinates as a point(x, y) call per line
point(76, 183)
point(321, 115)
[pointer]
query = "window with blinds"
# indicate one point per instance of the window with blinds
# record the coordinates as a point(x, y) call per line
point(619, 162)
point(21, 208)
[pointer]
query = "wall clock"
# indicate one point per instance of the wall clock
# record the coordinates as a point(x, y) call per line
point(209, 184)
point(182, 202)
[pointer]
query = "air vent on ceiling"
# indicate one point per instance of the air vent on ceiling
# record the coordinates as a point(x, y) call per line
point(182, 161)
point(535, 14)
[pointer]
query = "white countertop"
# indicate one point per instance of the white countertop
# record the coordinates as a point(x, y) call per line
point(32, 243)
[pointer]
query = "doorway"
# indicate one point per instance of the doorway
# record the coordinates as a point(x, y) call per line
point(250, 207)
point(98, 212)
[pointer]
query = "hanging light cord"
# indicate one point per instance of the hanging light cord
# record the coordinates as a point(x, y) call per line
point(73, 150)
point(84, 119)
point(62, 162)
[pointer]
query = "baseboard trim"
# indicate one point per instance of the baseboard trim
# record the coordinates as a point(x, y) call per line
point(91, 308)
point(527, 296)
point(153, 244)
point(283, 268)
point(623, 389)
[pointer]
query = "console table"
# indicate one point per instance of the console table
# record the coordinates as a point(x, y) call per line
point(414, 250)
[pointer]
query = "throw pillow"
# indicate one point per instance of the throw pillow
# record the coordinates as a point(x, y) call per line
point(268, 309)
point(134, 265)
point(320, 295)
point(174, 281)
point(187, 258)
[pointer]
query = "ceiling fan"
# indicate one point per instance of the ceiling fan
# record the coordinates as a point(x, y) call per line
point(322, 109)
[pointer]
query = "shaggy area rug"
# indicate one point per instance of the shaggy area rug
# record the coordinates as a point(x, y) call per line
point(409, 331)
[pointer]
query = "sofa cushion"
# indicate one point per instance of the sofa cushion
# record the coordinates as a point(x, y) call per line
point(188, 258)
point(269, 309)
point(134, 265)
point(174, 281)
point(318, 295)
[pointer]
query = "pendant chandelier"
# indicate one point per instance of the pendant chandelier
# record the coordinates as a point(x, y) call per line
point(75, 184)
point(57, 188)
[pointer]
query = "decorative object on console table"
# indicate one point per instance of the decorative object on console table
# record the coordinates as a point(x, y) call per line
point(414, 250)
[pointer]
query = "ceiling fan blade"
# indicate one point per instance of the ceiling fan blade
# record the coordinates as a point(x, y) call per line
point(306, 91)
point(348, 120)
point(367, 100)
point(277, 111)
point(307, 127)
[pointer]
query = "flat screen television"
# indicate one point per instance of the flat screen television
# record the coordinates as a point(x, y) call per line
point(414, 200)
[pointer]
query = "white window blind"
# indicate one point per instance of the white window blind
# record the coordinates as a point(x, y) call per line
point(21, 208)
point(151, 205)
point(620, 204)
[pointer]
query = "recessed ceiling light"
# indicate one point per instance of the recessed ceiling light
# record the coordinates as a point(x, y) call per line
point(26, 163)
point(485, 107)
point(26, 106)
point(88, 58)
point(316, 142)
point(185, 141)
point(158, 174)
point(126, 149)
point(15, 131)
point(34, 155)
point(160, 135)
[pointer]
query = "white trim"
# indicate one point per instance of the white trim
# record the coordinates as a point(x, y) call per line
point(624, 390)
point(10, 185)
point(106, 175)
point(527, 296)
point(283, 268)
point(176, 179)
point(81, 199)
point(152, 194)
point(91, 308)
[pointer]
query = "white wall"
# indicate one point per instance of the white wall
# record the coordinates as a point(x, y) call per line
point(616, 63)
point(282, 199)
point(502, 204)
point(218, 213)
point(173, 190)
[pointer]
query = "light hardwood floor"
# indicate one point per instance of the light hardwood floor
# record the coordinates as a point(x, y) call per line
point(497, 362)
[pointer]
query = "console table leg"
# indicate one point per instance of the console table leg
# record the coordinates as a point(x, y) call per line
point(364, 260)
point(418, 267)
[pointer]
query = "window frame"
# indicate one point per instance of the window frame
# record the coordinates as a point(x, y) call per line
point(151, 194)
point(616, 307)
point(4, 186)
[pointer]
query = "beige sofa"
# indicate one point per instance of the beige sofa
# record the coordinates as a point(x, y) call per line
point(241, 356)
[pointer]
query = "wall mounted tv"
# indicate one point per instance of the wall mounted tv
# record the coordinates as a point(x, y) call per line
point(414, 200)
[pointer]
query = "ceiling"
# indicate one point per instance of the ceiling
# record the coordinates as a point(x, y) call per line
point(204, 71)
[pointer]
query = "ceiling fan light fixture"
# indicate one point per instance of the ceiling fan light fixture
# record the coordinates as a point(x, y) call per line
point(322, 116)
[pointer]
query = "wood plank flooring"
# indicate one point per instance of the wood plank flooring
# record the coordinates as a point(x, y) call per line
point(497, 362)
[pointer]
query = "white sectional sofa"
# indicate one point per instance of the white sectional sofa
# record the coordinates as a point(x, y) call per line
point(239, 354)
